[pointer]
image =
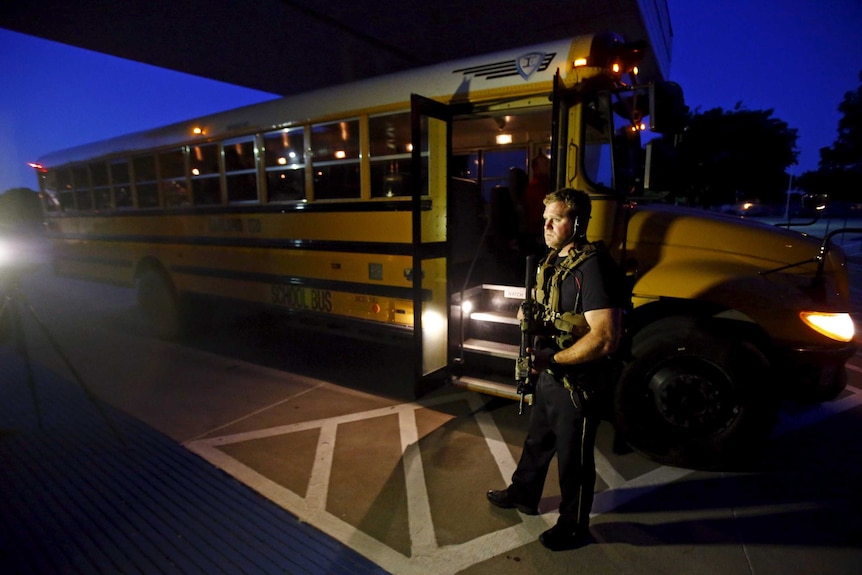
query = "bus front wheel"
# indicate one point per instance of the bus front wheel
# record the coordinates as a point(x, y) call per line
point(159, 304)
point(693, 396)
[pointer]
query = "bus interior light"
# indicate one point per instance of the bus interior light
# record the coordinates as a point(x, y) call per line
point(837, 326)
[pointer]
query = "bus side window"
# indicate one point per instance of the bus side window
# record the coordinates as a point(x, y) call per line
point(101, 186)
point(284, 162)
point(390, 155)
point(64, 187)
point(335, 154)
point(173, 185)
point(50, 193)
point(240, 171)
point(83, 193)
point(121, 184)
point(146, 189)
point(205, 174)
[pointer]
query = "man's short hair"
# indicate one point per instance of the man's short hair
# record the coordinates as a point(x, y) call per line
point(578, 203)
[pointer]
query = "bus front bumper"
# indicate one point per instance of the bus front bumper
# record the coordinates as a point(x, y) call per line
point(813, 374)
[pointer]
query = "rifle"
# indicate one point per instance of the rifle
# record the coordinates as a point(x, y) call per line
point(523, 364)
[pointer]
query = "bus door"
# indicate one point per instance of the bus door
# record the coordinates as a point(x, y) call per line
point(432, 144)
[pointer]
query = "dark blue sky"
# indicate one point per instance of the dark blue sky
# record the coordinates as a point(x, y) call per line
point(798, 57)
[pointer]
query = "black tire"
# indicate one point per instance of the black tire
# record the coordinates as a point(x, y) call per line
point(694, 397)
point(159, 304)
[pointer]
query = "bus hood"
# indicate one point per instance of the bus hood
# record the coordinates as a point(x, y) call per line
point(752, 268)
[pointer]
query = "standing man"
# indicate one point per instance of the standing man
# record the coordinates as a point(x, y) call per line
point(581, 297)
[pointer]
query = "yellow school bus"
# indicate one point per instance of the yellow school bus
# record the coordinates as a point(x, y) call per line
point(393, 207)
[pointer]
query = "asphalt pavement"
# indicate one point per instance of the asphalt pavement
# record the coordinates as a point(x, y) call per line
point(255, 448)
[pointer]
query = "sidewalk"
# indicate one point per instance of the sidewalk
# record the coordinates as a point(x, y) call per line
point(91, 492)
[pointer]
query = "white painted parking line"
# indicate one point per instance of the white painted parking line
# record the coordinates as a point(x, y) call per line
point(493, 438)
point(609, 500)
point(426, 555)
point(318, 484)
point(423, 539)
point(818, 413)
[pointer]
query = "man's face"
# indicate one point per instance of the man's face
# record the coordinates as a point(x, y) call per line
point(558, 226)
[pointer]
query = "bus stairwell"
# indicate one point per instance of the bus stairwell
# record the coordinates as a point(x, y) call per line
point(484, 303)
point(485, 317)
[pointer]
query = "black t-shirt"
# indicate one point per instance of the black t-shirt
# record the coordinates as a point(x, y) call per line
point(596, 283)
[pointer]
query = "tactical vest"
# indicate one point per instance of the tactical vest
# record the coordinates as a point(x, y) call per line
point(567, 326)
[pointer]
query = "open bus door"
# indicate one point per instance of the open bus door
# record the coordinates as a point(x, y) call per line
point(432, 145)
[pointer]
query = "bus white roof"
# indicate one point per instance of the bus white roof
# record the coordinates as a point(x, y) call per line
point(507, 70)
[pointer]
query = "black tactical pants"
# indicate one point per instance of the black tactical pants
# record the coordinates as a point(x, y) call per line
point(558, 424)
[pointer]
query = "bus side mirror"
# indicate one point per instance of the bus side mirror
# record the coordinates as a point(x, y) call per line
point(668, 112)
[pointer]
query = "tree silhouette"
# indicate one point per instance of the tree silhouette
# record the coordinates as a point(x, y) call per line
point(725, 157)
point(839, 173)
point(20, 209)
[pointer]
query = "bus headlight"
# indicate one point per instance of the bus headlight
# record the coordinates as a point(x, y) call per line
point(838, 326)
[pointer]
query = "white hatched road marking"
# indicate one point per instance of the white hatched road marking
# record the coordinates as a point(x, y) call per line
point(426, 555)
point(318, 485)
point(423, 539)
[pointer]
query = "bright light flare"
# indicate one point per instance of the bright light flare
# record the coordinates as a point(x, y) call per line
point(433, 322)
point(7, 253)
point(837, 326)
point(17, 254)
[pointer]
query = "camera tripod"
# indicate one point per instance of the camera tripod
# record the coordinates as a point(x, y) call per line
point(14, 303)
